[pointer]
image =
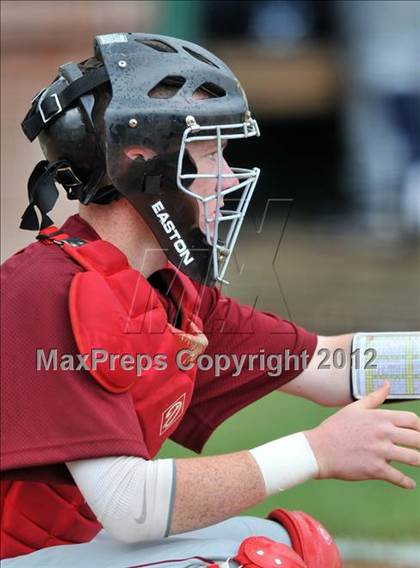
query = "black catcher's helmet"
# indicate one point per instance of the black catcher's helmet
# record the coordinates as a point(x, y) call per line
point(155, 92)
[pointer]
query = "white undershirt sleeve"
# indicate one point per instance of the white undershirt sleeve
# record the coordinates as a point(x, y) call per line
point(131, 497)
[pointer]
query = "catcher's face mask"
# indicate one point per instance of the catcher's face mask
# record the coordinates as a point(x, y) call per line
point(166, 95)
point(223, 192)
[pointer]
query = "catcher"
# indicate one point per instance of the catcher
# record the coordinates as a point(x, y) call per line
point(108, 320)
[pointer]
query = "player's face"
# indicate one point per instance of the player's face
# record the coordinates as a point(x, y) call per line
point(204, 156)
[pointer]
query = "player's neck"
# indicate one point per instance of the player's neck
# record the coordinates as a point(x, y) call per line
point(122, 226)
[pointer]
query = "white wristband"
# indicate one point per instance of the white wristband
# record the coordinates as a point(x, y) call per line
point(286, 462)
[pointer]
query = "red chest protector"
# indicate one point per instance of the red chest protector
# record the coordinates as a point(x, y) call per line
point(115, 311)
point(120, 322)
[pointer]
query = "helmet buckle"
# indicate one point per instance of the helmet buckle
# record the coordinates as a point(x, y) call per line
point(43, 114)
point(66, 176)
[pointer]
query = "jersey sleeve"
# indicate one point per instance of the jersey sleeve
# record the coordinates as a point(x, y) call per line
point(52, 410)
point(263, 352)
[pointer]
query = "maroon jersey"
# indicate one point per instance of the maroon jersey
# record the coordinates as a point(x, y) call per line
point(49, 417)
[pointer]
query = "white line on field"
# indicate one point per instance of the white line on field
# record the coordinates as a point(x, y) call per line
point(405, 554)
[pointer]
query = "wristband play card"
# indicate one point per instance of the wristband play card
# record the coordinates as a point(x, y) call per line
point(392, 356)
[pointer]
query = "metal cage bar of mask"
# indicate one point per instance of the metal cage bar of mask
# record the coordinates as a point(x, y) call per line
point(221, 250)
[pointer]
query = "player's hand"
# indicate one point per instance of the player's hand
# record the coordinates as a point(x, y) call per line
point(360, 440)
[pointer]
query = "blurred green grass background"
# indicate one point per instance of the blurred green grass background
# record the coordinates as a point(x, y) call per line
point(368, 510)
point(333, 283)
